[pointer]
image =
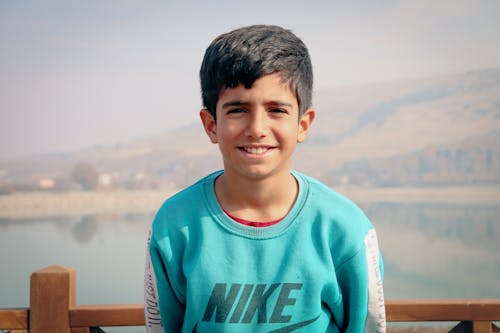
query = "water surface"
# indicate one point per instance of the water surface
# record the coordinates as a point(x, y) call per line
point(429, 251)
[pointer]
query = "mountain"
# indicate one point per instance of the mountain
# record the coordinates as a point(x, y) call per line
point(474, 161)
point(421, 132)
point(390, 121)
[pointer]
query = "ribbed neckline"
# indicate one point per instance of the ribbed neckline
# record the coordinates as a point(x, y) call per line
point(252, 232)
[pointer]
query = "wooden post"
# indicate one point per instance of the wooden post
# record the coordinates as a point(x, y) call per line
point(52, 294)
point(479, 326)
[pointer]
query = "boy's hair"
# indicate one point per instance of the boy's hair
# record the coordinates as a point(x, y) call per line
point(245, 54)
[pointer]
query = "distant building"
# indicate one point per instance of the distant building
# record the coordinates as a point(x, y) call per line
point(105, 180)
point(46, 183)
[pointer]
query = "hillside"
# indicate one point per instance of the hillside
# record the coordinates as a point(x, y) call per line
point(391, 119)
point(426, 132)
point(474, 161)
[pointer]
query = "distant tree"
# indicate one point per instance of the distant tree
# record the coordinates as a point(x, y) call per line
point(6, 188)
point(85, 175)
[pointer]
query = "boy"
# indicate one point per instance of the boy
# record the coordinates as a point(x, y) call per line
point(258, 247)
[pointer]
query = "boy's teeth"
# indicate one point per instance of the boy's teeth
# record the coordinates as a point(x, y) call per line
point(256, 150)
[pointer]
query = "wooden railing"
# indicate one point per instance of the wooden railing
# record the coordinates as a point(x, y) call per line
point(53, 309)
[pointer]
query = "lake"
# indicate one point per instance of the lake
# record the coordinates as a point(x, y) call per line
point(429, 251)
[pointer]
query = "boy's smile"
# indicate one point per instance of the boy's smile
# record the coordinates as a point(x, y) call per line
point(257, 129)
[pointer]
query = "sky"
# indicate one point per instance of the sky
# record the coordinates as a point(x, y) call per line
point(79, 74)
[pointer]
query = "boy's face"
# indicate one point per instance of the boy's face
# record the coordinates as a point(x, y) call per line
point(257, 129)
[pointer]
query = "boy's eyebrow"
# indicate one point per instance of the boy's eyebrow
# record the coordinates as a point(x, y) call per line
point(233, 103)
point(240, 103)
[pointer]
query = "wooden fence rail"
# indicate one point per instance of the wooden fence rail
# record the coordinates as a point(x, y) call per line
point(53, 309)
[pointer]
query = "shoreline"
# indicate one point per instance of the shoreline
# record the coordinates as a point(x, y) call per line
point(459, 195)
point(22, 205)
point(25, 205)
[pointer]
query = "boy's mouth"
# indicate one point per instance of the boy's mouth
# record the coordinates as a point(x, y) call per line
point(256, 150)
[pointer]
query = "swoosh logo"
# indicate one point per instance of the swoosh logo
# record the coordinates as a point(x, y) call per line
point(285, 329)
point(293, 327)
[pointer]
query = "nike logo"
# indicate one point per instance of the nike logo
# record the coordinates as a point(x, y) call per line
point(284, 329)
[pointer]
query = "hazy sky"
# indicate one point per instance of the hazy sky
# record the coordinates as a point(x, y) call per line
point(75, 74)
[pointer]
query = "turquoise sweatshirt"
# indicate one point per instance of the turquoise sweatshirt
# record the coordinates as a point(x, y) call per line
point(318, 270)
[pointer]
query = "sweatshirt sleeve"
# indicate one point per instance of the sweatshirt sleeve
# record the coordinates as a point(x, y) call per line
point(360, 279)
point(163, 311)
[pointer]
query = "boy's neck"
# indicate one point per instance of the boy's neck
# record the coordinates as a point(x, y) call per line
point(257, 200)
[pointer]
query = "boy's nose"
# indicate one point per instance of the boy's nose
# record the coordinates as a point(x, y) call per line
point(257, 126)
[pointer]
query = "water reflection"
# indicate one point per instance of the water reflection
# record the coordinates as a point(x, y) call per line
point(476, 225)
point(83, 229)
point(439, 250)
point(107, 252)
point(429, 251)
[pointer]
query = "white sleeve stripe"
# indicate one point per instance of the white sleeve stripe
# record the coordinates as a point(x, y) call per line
point(151, 306)
point(375, 321)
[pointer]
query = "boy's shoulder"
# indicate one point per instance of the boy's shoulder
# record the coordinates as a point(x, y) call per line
point(338, 218)
point(189, 200)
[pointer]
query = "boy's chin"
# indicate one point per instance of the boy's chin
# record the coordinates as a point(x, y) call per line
point(259, 173)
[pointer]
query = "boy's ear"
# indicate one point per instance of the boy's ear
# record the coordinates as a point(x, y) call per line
point(209, 124)
point(305, 124)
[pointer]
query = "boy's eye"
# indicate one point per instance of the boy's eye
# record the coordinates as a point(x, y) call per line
point(278, 111)
point(232, 111)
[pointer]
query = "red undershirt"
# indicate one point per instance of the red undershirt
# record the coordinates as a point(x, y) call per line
point(252, 223)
